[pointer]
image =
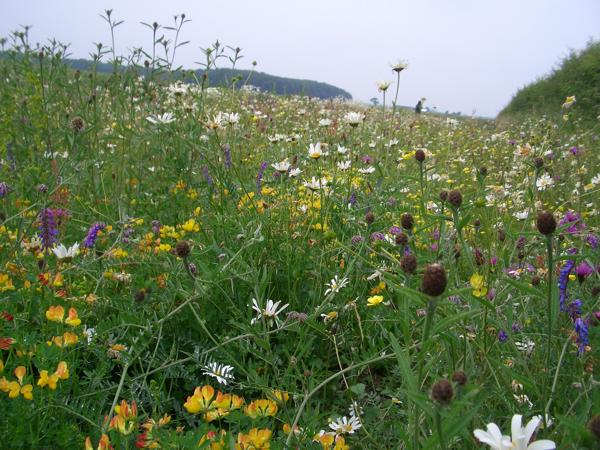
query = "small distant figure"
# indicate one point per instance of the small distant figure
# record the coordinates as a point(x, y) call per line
point(419, 106)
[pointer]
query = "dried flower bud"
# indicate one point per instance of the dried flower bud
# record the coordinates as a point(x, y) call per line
point(434, 280)
point(401, 239)
point(77, 124)
point(182, 249)
point(444, 195)
point(535, 280)
point(501, 235)
point(407, 221)
point(370, 217)
point(594, 427)
point(420, 155)
point(442, 392)
point(546, 223)
point(455, 198)
point(408, 263)
point(459, 377)
point(539, 163)
point(483, 171)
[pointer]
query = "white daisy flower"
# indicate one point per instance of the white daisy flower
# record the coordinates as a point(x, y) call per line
point(269, 312)
point(343, 425)
point(221, 372)
point(335, 285)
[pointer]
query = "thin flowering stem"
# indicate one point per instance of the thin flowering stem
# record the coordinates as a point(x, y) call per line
point(551, 313)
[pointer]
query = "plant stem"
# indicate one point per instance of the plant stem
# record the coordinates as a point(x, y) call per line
point(438, 426)
point(549, 331)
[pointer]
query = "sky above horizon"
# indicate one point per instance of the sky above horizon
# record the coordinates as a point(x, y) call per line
point(464, 55)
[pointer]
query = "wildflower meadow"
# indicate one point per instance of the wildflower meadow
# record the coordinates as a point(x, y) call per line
point(185, 265)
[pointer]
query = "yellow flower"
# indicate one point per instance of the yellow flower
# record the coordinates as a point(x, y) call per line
point(190, 226)
point(200, 400)
point(62, 371)
point(6, 283)
point(20, 373)
point(255, 440)
point(46, 380)
point(73, 320)
point(55, 313)
point(261, 408)
point(375, 300)
point(478, 284)
point(13, 389)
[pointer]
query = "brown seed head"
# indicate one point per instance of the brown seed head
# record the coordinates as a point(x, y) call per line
point(594, 426)
point(408, 263)
point(401, 239)
point(434, 280)
point(444, 195)
point(459, 377)
point(407, 221)
point(455, 198)
point(442, 392)
point(420, 155)
point(182, 249)
point(546, 223)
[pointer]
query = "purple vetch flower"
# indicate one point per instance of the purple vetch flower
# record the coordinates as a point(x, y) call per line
point(491, 294)
point(356, 239)
point(574, 308)
point(563, 279)
point(581, 329)
point(512, 142)
point(92, 235)
point(575, 151)
point(207, 176)
point(394, 230)
point(127, 233)
point(227, 152)
point(434, 247)
point(48, 229)
point(352, 199)
point(583, 270)
point(502, 336)
point(156, 226)
point(259, 176)
point(4, 189)
point(377, 236)
point(592, 241)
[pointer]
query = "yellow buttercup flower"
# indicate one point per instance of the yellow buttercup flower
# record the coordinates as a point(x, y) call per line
point(374, 300)
point(478, 284)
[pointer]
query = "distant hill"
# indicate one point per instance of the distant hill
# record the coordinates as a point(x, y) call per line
point(264, 81)
point(578, 75)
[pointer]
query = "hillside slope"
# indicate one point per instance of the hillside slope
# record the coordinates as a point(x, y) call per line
point(578, 75)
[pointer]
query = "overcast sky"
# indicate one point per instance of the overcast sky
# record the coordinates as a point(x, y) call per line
point(463, 55)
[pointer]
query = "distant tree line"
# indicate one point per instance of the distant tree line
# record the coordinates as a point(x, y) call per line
point(226, 77)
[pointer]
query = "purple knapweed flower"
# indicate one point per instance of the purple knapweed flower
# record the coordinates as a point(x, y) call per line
point(583, 270)
point(592, 241)
point(356, 239)
point(573, 220)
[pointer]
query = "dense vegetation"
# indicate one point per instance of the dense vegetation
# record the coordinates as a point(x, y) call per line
point(578, 75)
point(184, 266)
